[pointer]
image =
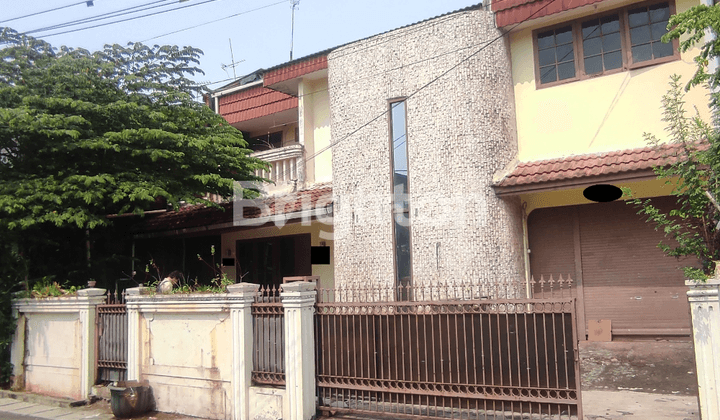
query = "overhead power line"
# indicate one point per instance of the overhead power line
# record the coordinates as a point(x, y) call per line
point(128, 19)
point(104, 16)
point(42, 12)
point(214, 21)
point(435, 79)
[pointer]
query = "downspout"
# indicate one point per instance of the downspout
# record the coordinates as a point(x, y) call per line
point(526, 251)
point(715, 63)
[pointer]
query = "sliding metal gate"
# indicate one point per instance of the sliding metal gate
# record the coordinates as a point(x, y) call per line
point(447, 356)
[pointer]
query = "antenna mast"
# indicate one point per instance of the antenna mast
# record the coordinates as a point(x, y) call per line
point(232, 57)
point(294, 4)
point(233, 64)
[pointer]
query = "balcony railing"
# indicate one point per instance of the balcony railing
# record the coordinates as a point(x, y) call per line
point(287, 166)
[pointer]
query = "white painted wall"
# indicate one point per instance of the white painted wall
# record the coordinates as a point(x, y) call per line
point(53, 348)
point(705, 312)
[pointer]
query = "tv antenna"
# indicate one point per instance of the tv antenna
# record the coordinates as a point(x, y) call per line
point(233, 64)
point(294, 4)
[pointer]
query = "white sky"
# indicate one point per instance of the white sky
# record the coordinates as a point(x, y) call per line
point(261, 37)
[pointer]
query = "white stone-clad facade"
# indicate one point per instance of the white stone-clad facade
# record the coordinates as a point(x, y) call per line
point(460, 131)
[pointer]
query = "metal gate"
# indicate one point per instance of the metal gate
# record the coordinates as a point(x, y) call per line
point(112, 340)
point(268, 338)
point(447, 353)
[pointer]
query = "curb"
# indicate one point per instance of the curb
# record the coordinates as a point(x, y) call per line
point(41, 399)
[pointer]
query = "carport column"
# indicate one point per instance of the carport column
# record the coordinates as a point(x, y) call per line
point(299, 303)
point(705, 310)
point(241, 296)
point(88, 300)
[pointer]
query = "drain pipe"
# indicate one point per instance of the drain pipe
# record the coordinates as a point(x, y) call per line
point(714, 63)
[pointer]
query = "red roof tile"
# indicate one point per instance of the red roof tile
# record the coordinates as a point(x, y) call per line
point(254, 103)
point(510, 12)
point(202, 216)
point(619, 162)
point(294, 70)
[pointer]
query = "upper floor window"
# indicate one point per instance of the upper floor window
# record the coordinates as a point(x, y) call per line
point(619, 40)
point(266, 141)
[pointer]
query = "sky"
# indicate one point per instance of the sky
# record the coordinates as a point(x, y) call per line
point(259, 30)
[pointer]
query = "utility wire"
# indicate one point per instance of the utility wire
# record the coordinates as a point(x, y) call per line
point(216, 20)
point(42, 12)
point(108, 15)
point(435, 79)
point(128, 19)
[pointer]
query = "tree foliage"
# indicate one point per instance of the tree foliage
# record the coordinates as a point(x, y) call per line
point(694, 168)
point(84, 135)
point(691, 28)
point(692, 171)
point(87, 134)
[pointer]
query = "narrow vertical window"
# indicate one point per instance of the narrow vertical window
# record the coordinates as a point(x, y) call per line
point(401, 205)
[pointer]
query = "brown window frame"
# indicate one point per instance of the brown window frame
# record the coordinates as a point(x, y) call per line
point(626, 50)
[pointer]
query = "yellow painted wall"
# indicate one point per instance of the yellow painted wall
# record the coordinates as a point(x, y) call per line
point(314, 105)
point(319, 232)
point(640, 189)
point(596, 115)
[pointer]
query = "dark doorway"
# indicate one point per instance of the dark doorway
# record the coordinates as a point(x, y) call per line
point(266, 261)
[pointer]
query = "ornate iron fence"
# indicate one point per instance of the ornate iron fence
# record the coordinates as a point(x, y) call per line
point(462, 351)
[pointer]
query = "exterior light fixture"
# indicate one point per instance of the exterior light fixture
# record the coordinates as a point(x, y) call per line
point(602, 193)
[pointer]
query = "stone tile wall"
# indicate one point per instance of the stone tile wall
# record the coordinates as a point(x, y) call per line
point(461, 129)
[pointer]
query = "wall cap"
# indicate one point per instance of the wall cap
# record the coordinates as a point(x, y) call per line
point(243, 288)
point(298, 287)
point(91, 292)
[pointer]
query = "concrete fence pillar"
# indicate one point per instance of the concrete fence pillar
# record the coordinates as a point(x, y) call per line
point(242, 296)
point(134, 345)
point(705, 312)
point(298, 300)
point(91, 298)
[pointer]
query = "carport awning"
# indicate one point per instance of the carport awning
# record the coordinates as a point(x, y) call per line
point(200, 218)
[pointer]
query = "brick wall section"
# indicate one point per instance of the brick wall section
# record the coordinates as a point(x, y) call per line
point(461, 129)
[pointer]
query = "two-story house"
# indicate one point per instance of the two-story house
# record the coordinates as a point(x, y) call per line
point(588, 78)
point(284, 115)
point(458, 149)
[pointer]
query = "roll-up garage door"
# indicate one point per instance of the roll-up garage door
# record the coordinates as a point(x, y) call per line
point(626, 278)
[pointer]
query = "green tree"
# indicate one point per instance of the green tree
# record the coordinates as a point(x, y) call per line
point(692, 169)
point(87, 134)
point(84, 135)
point(694, 25)
point(694, 166)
